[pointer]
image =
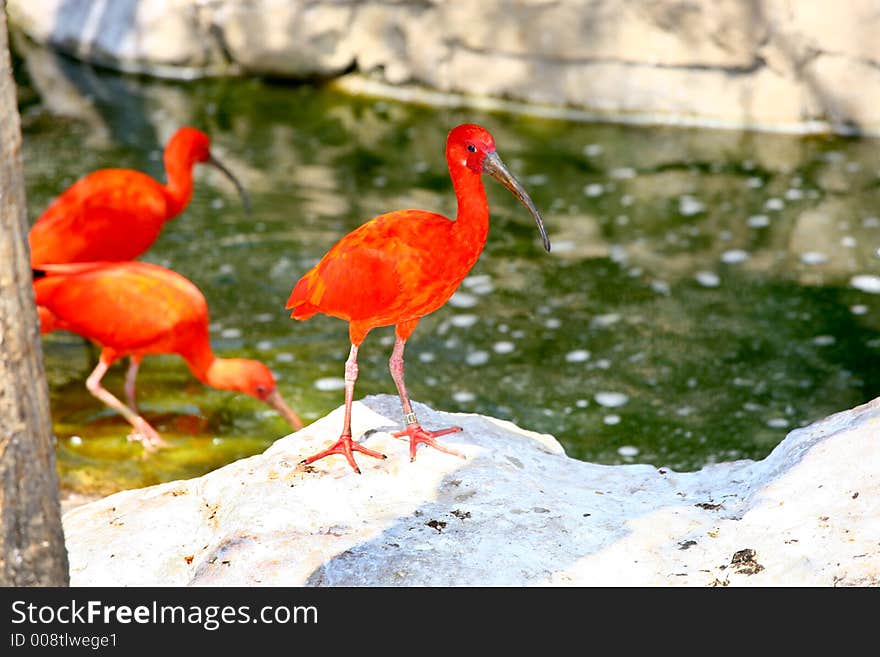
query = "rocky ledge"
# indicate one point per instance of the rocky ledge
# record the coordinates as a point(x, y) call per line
point(517, 511)
point(806, 66)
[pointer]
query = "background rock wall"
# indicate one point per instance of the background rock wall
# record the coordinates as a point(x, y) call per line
point(778, 64)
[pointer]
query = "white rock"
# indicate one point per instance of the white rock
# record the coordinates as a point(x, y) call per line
point(517, 512)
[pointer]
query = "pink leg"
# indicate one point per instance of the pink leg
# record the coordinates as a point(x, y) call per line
point(143, 432)
point(345, 445)
point(130, 381)
point(413, 429)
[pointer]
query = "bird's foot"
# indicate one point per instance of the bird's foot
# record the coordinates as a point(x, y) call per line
point(147, 436)
point(418, 435)
point(345, 446)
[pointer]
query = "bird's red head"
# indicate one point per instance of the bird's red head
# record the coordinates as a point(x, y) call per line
point(468, 144)
point(472, 146)
point(190, 144)
point(248, 376)
point(252, 378)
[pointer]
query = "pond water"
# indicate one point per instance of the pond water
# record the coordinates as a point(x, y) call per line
point(708, 291)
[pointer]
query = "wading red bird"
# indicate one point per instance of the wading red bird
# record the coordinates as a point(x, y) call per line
point(117, 214)
point(400, 266)
point(135, 309)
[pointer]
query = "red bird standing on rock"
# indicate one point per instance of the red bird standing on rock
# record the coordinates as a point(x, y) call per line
point(117, 214)
point(400, 266)
point(136, 309)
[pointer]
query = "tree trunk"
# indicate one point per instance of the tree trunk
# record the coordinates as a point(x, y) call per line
point(32, 549)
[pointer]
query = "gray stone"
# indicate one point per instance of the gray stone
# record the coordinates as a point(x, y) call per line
point(805, 66)
point(516, 512)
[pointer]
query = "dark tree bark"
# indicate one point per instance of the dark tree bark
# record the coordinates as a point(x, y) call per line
point(32, 551)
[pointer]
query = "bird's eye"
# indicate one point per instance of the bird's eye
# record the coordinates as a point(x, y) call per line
point(261, 390)
point(472, 148)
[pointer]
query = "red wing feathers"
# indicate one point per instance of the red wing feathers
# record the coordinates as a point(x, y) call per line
point(383, 271)
point(127, 306)
point(112, 214)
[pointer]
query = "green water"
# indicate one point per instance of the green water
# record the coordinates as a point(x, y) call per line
point(698, 304)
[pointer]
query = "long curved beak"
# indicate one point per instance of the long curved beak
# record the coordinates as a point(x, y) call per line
point(275, 401)
point(245, 199)
point(493, 165)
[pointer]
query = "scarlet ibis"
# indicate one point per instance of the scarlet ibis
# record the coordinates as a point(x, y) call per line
point(117, 214)
point(400, 266)
point(135, 309)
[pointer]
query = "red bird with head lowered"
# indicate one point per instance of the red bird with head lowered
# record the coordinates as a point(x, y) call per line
point(117, 214)
point(135, 309)
point(400, 266)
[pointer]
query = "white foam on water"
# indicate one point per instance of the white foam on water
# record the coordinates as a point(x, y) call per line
point(707, 278)
point(734, 256)
point(866, 283)
point(611, 399)
point(606, 320)
point(577, 356)
point(463, 300)
point(593, 189)
point(689, 206)
point(328, 383)
point(813, 258)
point(464, 321)
point(477, 358)
point(622, 173)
